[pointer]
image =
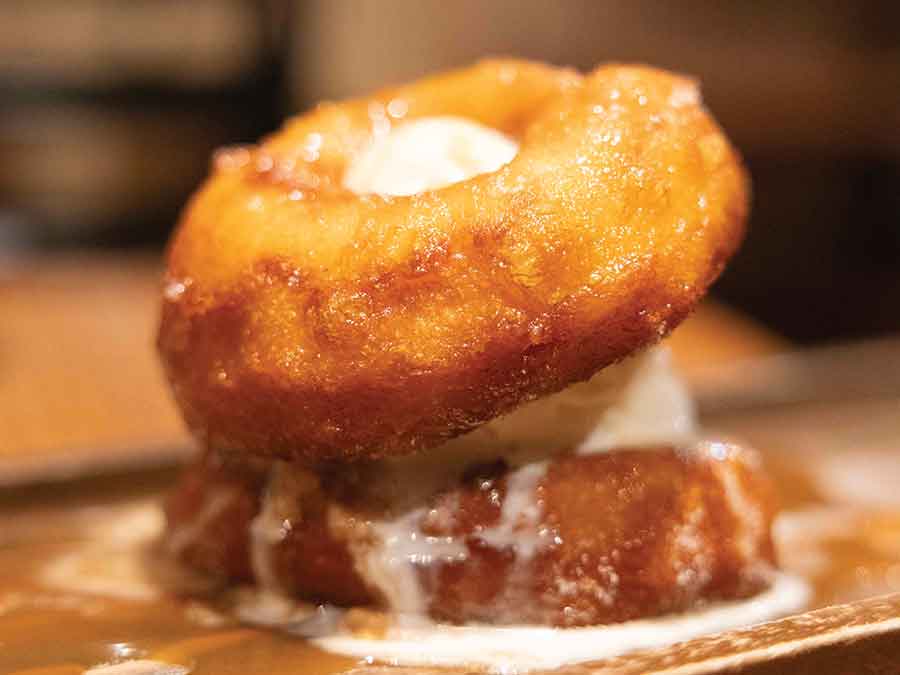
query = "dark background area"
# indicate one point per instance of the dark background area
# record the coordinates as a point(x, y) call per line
point(109, 110)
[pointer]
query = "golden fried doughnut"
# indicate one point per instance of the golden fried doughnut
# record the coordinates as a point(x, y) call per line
point(304, 321)
point(618, 536)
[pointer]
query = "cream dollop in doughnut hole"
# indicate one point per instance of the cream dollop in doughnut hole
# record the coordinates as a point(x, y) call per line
point(427, 154)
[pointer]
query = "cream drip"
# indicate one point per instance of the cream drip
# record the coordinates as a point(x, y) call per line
point(392, 565)
point(266, 531)
point(520, 514)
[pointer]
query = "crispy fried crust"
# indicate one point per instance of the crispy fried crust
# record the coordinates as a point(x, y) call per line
point(620, 536)
point(306, 322)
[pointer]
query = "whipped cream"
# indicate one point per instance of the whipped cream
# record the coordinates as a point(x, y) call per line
point(427, 154)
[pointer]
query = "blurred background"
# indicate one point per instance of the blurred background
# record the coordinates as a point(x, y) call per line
point(109, 111)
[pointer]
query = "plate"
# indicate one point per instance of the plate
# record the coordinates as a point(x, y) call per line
point(77, 590)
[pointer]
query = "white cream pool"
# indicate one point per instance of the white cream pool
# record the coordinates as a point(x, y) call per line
point(517, 649)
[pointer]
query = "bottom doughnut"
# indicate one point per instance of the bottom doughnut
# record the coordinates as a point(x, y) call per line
point(576, 540)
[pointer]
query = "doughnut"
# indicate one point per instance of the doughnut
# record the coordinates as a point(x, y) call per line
point(304, 321)
point(576, 540)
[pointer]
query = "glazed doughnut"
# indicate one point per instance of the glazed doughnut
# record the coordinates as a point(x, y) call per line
point(597, 539)
point(304, 321)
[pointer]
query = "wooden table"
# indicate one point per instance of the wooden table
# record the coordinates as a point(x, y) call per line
point(79, 383)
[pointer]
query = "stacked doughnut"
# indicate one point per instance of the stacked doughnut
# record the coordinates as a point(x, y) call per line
point(414, 335)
